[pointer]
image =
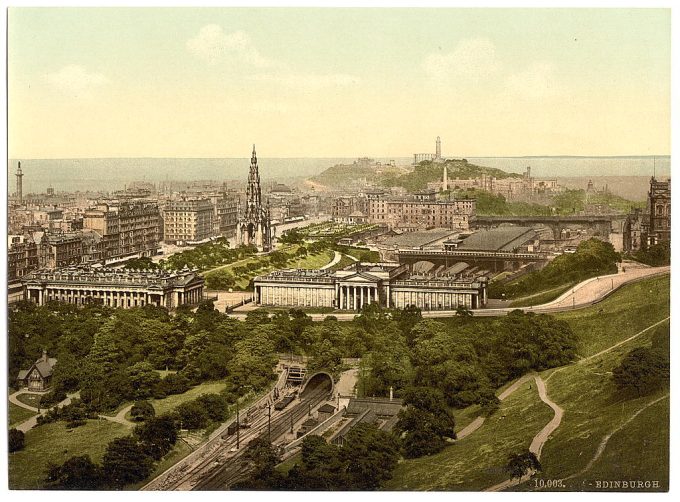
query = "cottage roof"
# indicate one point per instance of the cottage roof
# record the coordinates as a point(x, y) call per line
point(327, 408)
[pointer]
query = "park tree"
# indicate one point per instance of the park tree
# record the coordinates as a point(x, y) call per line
point(15, 440)
point(157, 435)
point(261, 457)
point(406, 319)
point(321, 467)
point(215, 406)
point(125, 462)
point(192, 415)
point(76, 473)
point(425, 422)
point(642, 370)
point(141, 411)
point(370, 455)
point(521, 464)
point(143, 379)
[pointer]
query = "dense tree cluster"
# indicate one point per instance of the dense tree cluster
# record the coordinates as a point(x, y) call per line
point(656, 256)
point(112, 356)
point(426, 422)
point(364, 461)
point(127, 460)
point(645, 369)
point(592, 258)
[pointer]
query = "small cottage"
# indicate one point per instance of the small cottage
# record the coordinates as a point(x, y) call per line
point(39, 376)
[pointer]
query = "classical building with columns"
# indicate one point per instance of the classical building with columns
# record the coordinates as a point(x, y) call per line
point(114, 288)
point(388, 284)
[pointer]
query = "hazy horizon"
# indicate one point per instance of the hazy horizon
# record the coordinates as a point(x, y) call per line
point(109, 174)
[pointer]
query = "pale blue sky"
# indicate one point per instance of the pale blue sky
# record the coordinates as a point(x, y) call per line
point(337, 82)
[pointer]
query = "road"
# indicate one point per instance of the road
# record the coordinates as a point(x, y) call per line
point(582, 295)
point(32, 422)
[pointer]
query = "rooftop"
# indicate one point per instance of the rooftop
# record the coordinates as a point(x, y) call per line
point(498, 239)
point(419, 239)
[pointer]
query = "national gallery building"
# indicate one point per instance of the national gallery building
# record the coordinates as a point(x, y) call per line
point(114, 288)
point(389, 284)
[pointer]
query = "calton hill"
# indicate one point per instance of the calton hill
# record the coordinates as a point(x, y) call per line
point(570, 201)
point(127, 381)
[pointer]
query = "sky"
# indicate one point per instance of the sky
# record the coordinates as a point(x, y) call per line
point(190, 82)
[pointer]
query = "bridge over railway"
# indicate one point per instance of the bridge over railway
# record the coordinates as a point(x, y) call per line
point(490, 260)
point(600, 224)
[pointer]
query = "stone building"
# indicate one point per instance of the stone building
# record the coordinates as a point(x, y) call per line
point(39, 376)
point(60, 250)
point(659, 211)
point(188, 221)
point(254, 225)
point(348, 208)
point(388, 284)
point(22, 256)
point(411, 214)
point(127, 228)
point(114, 288)
point(643, 229)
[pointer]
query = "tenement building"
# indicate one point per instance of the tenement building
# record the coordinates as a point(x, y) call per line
point(188, 221)
point(387, 284)
point(114, 288)
point(127, 228)
point(422, 211)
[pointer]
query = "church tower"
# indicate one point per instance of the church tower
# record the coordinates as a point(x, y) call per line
point(254, 225)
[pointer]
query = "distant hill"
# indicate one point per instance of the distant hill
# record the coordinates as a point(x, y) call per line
point(342, 175)
point(428, 171)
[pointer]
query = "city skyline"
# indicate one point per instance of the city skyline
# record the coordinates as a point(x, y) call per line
point(337, 82)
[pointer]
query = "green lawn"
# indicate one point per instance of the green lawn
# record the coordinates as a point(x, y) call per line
point(542, 297)
point(18, 415)
point(171, 402)
point(477, 461)
point(55, 443)
point(643, 444)
point(594, 408)
point(314, 261)
point(344, 262)
point(628, 311)
point(30, 399)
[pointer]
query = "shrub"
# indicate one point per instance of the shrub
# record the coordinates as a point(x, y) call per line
point(15, 440)
point(142, 410)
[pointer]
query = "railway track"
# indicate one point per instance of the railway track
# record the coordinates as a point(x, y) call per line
point(220, 477)
point(220, 464)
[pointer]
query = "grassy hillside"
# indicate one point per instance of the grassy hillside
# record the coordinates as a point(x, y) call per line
point(428, 171)
point(477, 461)
point(594, 409)
point(55, 443)
point(341, 174)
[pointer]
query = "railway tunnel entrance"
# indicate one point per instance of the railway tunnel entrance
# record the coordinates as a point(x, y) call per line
point(319, 382)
